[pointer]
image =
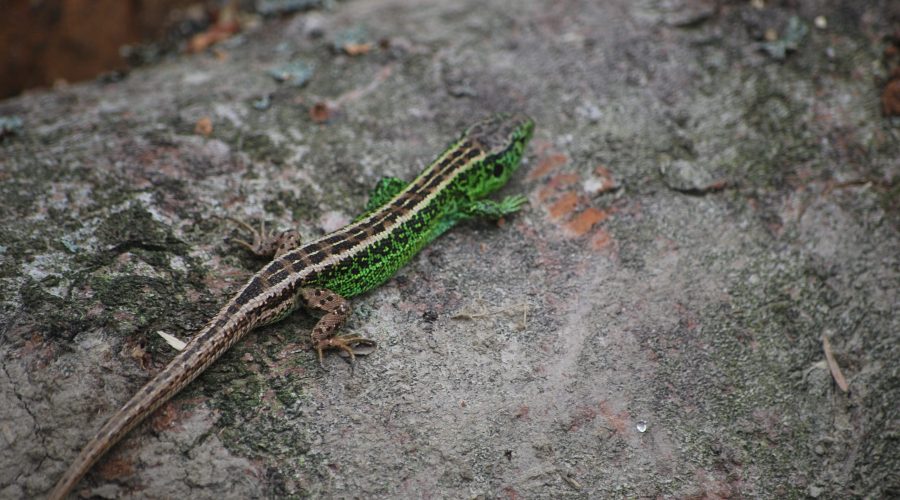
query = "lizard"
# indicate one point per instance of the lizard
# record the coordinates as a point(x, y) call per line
point(399, 220)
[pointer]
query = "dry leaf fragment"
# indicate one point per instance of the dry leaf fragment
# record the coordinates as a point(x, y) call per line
point(173, 341)
point(225, 26)
point(357, 49)
point(833, 366)
point(204, 126)
point(320, 112)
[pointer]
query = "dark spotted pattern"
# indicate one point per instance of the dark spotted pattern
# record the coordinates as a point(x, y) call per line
point(275, 266)
point(253, 289)
point(278, 277)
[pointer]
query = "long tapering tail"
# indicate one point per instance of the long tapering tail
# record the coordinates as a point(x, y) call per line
point(184, 368)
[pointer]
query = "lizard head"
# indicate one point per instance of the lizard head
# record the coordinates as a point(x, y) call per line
point(502, 139)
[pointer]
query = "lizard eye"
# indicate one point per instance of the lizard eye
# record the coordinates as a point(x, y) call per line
point(498, 169)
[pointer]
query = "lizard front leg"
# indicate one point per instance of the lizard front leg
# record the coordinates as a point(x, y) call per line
point(489, 209)
point(336, 309)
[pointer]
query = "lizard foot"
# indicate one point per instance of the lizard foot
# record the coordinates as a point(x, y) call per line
point(267, 244)
point(347, 346)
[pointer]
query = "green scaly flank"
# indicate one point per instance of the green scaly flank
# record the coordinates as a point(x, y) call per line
point(451, 189)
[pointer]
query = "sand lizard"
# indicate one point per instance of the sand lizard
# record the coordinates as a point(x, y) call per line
point(399, 220)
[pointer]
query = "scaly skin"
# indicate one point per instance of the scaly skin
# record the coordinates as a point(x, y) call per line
point(399, 220)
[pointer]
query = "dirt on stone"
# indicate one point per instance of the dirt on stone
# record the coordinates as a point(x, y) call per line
point(712, 194)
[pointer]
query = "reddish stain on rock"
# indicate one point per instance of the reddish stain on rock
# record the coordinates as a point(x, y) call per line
point(890, 97)
point(204, 126)
point(511, 493)
point(583, 222)
point(617, 420)
point(583, 415)
point(522, 412)
point(225, 26)
point(547, 165)
point(320, 112)
point(555, 183)
point(115, 468)
point(163, 418)
point(600, 240)
point(564, 205)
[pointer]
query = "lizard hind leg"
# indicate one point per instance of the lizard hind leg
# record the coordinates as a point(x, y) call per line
point(337, 310)
point(267, 244)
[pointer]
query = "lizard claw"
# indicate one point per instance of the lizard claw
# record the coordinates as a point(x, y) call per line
point(261, 243)
point(347, 346)
point(266, 244)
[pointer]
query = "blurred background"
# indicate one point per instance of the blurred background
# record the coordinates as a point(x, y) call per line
point(52, 42)
point(45, 43)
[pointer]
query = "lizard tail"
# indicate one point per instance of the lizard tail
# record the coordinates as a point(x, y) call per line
point(190, 363)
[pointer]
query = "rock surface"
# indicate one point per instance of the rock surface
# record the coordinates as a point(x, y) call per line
point(516, 361)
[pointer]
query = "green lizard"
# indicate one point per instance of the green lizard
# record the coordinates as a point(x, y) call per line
point(399, 220)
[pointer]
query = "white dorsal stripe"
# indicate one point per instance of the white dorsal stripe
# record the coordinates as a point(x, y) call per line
point(374, 218)
point(370, 219)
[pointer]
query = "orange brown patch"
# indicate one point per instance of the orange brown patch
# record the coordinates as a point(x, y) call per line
point(556, 182)
point(357, 49)
point(583, 222)
point(548, 164)
point(204, 126)
point(618, 420)
point(162, 418)
point(511, 493)
point(569, 203)
point(139, 354)
point(115, 468)
point(320, 112)
point(583, 415)
point(33, 344)
point(890, 97)
point(565, 205)
point(601, 240)
point(226, 25)
point(214, 35)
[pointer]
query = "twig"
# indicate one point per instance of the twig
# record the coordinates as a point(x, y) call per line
point(484, 313)
point(833, 366)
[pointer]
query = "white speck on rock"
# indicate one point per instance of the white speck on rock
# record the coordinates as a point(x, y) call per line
point(196, 78)
point(216, 150)
point(333, 220)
